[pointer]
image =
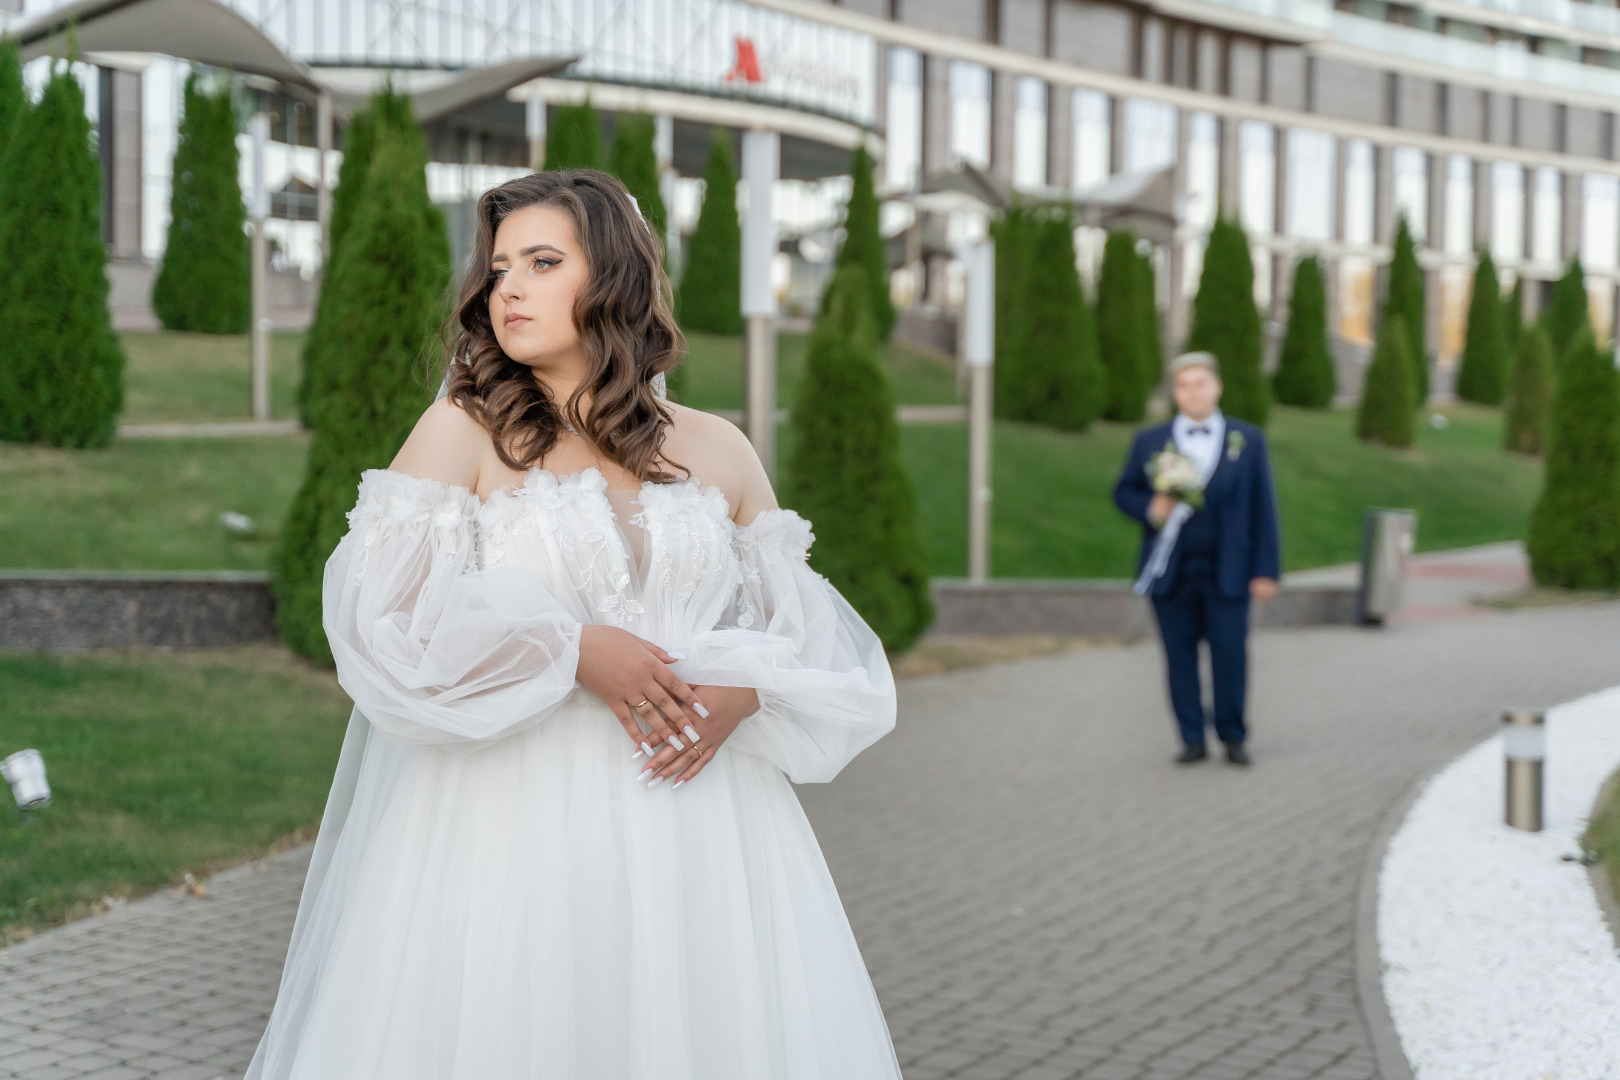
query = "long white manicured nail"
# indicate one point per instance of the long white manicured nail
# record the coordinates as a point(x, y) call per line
point(674, 655)
point(639, 754)
point(676, 786)
point(646, 749)
point(656, 781)
point(676, 743)
point(691, 733)
point(644, 774)
point(697, 707)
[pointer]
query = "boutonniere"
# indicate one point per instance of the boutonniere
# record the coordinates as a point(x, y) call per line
point(1234, 445)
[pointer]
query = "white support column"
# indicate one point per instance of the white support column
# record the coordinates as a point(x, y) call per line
point(1176, 263)
point(978, 354)
point(761, 164)
point(259, 132)
point(534, 125)
point(323, 185)
point(1281, 265)
point(668, 180)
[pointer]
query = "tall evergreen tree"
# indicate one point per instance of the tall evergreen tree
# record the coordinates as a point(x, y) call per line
point(1120, 325)
point(1405, 298)
point(1386, 396)
point(845, 473)
point(1148, 309)
point(1226, 322)
point(1482, 375)
point(863, 244)
point(574, 138)
point(1566, 314)
point(1305, 373)
point(1061, 379)
point(1574, 536)
point(386, 287)
point(634, 160)
point(711, 288)
point(1529, 393)
point(61, 366)
point(387, 110)
point(1513, 319)
point(13, 95)
point(205, 282)
point(1014, 237)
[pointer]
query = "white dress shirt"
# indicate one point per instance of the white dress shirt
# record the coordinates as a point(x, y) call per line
point(1200, 440)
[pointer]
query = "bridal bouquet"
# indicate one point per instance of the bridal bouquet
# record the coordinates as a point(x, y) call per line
point(1175, 474)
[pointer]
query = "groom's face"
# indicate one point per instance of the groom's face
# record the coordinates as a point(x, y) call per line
point(1197, 391)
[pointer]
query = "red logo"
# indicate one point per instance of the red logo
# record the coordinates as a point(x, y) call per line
point(746, 68)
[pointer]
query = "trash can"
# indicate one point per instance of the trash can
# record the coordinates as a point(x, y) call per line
point(1386, 551)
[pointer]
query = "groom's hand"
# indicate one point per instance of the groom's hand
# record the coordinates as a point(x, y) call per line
point(1263, 588)
point(1159, 508)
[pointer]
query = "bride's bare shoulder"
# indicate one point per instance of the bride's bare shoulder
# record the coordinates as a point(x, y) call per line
point(446, 444)
point(716, 453)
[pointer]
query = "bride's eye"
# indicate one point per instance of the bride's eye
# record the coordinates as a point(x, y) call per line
point(542, 263)
point(497, 274)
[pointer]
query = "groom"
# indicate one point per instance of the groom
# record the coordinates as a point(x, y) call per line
point(1201, 578)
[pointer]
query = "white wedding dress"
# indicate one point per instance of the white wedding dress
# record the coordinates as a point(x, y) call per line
point(493, 895)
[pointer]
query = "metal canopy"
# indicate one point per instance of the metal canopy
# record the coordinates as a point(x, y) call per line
point(202, 30)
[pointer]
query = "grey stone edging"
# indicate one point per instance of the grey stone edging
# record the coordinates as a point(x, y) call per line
point(1386, 1042)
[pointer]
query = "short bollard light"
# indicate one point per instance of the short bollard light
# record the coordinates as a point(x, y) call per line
point(1524, 745)
point(25, 772)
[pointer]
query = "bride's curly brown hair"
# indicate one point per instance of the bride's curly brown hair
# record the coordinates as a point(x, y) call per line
point(623, 315)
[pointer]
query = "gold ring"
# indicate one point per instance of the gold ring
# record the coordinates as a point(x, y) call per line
point(644, 703)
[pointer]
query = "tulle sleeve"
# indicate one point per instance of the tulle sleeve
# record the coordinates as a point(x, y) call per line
point(825, 689)
point(431, 648)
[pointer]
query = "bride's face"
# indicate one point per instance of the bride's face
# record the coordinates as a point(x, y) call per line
point(537, 268)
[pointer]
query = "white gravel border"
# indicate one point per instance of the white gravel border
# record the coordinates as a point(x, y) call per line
point(1497, 963)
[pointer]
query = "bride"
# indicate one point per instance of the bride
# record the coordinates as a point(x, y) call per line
point(586, 657)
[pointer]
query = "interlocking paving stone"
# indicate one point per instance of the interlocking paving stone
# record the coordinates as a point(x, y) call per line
point(1038, 892)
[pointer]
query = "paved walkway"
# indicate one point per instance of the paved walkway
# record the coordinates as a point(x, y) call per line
point(1039, 893)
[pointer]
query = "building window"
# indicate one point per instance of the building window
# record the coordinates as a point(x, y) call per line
point(1412, 189)
point(1600, 221)
point(1309, 209)
point(1546, 219)
point(970, 114)
point(903, 141)
point(1358, 192)
point(1258, 177)
point(1092, 137)
point(1029, 135)
point(1150, 135)
point(1507, 212)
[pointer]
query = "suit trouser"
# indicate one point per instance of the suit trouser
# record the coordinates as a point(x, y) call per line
point(1193, 611)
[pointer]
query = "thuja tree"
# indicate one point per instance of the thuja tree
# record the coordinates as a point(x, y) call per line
point(1574, 536)
point(61, 367)
point(1529, 392)
point(845, 473)
point(389, 111)
point(385, 288)
point(1014, 236)
point(1405, 298)
point(1386, 396)
point(863, 243)
point(1061, 381)
point(205, 281)
point(15, 368)
point(574, 138)
point(1152, 351)
point(1120, 325)
point(633, 158)
point(1482, 375)
point(710, 297)
point(1226, 322)
point(13, 96)
point(1305, 373)
point(1566, 313)
point(1513, 318)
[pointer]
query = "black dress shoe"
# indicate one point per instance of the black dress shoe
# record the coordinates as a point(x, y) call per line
point(1236, 754)
point(1192, 754)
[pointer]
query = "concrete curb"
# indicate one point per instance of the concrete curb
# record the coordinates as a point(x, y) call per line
point(1386, 1043)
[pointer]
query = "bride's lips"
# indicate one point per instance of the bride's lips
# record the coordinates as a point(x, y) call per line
point(513, 320)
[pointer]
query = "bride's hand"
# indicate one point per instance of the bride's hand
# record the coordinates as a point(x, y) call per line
point(625, 672)
point(728, 706)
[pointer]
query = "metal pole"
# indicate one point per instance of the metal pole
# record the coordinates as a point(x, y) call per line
point(1524, 745)
point(534, 125)
point(668, 182)
point(259, 131)
point(761, 163)
point(978, 354)
point(323, 190)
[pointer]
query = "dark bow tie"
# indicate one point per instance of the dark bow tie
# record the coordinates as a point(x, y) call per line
point(1201, 429)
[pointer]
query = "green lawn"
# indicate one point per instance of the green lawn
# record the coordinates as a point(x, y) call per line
point(192, 378)
point(714, 366)
point(159, 764)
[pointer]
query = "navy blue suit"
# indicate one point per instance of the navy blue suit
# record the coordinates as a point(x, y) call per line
point(1203, 594)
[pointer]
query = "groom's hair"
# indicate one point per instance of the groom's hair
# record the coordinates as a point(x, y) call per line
point(1195, 359)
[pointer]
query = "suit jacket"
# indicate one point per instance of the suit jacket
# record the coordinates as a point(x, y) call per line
point(1239, 496)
